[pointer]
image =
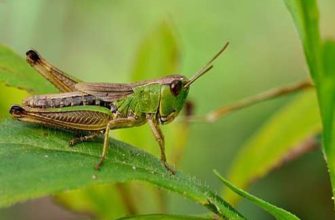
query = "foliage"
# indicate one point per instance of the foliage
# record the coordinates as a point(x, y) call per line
point(276, 140)
point(320, 56)
point(276, 212)
point(14, 72)
point(279, 138)
point(36, 161)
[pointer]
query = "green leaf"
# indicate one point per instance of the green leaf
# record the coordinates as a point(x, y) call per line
point(320, 58)
point(103, 201)
point(326, 90)
point(306, 18)
point(276, 140)
point(15, 72)
point(8, 97)
point(329, 57)
point(275, 211)
point(327, 98)
point(163, 217)
point(36, 162)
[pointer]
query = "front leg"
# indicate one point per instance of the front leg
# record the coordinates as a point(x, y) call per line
point(157, 132)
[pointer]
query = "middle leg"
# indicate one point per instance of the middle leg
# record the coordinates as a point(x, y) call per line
point(77, 140)
point(115, 123)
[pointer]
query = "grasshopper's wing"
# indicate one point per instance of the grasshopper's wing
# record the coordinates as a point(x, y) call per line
point(107, 92)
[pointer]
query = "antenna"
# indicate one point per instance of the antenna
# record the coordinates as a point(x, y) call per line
point(206, 67)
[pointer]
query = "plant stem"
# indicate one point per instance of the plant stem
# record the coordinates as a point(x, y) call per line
point(252, 100)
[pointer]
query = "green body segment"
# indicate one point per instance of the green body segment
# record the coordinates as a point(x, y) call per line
point(153, 98)
point(145, 99)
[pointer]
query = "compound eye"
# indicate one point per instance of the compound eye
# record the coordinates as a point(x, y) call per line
point(176, 87)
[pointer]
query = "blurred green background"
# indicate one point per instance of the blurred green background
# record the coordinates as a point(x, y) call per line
point(97, 41)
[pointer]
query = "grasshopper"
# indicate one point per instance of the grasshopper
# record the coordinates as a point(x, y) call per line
point(97, 108)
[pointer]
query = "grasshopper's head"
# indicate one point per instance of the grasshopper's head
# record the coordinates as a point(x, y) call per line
point(173, 97)
point(175, 89)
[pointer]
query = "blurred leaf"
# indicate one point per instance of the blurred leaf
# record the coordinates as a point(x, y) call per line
point(275, 140)
point(163, 217)
point(8, 97)
point(15, 72)
point(35, 162)
point(111, 201)
point(327, 97)
point(101, 201)
point(275, 211)
point(329, 57)
point(320, 58)
point(158, 54)
point(134, 193)
point(306, 17)
point(326, 91)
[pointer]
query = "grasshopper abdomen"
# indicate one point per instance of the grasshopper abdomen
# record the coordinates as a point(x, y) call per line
point(64, 100)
